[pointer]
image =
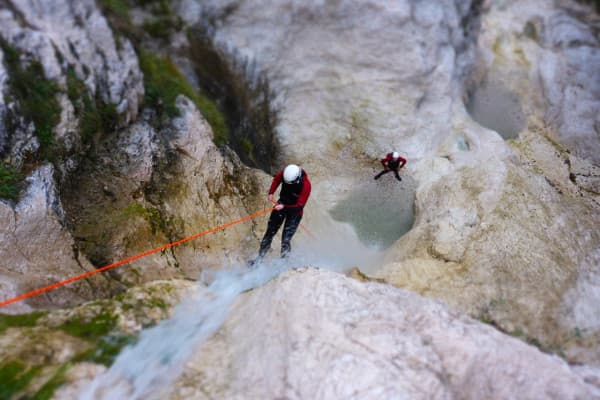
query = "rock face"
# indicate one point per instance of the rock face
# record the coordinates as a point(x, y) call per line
point(71, 36)
point(66, 33)
point(313, 334)
point(42, 351)
point(37, 249)
point(503, 230)
point(64, 38)
point(156, 187)
point(511, 239)
point(365, 94)
point(124, 190)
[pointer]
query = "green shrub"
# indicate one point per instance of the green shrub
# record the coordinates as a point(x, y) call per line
point(164, 82)
point(118, 8)
point(35, 95)
point(10, 182)
point(95, 116)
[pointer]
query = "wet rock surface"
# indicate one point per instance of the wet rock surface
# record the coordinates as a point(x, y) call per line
point(313, 329)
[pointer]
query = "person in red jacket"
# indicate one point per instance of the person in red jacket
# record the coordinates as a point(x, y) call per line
point(295, 190)
point(391, 162)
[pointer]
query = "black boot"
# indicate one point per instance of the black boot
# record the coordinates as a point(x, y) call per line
point(397, 176)
point(379, 175)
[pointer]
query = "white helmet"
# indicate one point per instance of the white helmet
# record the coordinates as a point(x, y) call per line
point(395, 155)
point(291, 173)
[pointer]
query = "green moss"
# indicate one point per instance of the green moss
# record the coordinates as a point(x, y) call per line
point(10, 182)
point(95, 116)
point(150, 214)
point(164, 82)
point(247, 146)
point(46, 392)
point(116, 7)
point(14, 377)
point(90, 328)
point(19, 320)
point(106, 350)
point(164, 22)
point(100, 330)
point(157, 303)
point(36, 96)
point(161, 28)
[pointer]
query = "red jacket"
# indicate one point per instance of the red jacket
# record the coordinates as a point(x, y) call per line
point(389, 162)
point(290, 196)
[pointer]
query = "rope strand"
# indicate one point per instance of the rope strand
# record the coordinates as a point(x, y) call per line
point(130, 259)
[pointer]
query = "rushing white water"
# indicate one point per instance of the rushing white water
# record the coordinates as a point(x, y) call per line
point(145, 370)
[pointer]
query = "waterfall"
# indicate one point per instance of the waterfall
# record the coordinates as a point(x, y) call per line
point(146, 369)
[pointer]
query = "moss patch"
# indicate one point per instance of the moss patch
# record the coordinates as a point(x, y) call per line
point(150, 214)
point(163, 22)
point(118, 8)
point(10, 182)
point(95, 116)
point(101, 330)
point(15, 377)
point(46, 392)
point(35, 95)
point(164, 82)
point(19, 320)
point(90, 328)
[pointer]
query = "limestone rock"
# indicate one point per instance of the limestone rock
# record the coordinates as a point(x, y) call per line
point(549, 55)
point(155, 187)
point(66, 347)
point(505, 244)
point(364, 92)
point(80, 34)
point(319, 335)
point(36, 249)
point(503, 230)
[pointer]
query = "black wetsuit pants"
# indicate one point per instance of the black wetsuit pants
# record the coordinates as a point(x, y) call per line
point(385, 171)
point(292, 221)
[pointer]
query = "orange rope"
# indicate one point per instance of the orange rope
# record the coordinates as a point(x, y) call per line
point(130, 259)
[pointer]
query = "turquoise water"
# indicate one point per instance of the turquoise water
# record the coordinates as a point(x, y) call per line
point(379, 211)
